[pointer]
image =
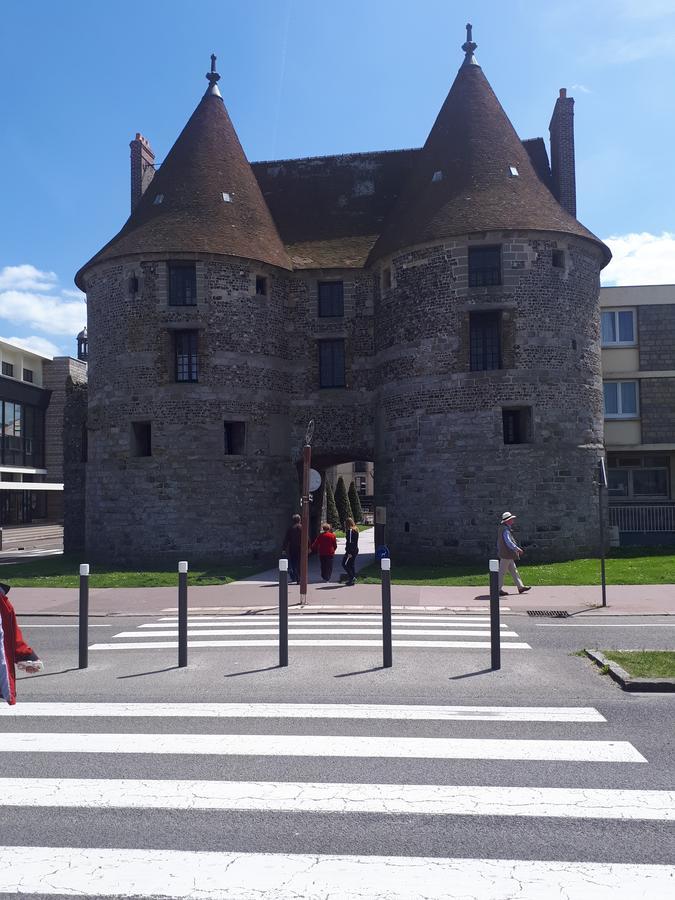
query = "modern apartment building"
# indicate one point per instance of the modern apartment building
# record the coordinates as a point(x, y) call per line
point(638, 370)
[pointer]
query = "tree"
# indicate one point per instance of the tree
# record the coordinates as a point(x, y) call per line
point(355, 503)
point(344, 510)
point(331, 509)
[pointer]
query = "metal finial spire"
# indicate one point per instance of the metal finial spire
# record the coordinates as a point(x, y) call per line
point(213, 78)
point(469, 46)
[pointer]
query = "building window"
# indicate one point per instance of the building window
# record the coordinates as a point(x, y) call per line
point(332, 364)
point(386, 279)
point(185, 343)
point(485, 266)
point(28, 375)
point(235, 438)
point(331, 298)
point(141, 439)
point(638, 477)
point(8, 369)
point(558, 259)
point(182, 284)
point(485, 340)
point(621, 399)
point(517, 425)
point(260, 286)
point(618, 327)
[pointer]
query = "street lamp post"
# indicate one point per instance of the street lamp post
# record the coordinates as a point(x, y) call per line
point(304, 546)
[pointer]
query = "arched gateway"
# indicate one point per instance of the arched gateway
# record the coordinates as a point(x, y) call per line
point(433, 310)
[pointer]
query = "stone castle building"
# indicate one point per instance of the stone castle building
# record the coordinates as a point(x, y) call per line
point(434, 310)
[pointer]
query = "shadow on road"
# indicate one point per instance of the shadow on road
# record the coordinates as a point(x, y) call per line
point(469, 674)
point(48, 674)
point(360, 672)
point(141, 674)
point(251, 671)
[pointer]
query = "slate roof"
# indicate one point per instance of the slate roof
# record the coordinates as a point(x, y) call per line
point(206, 161)
point(473, 145)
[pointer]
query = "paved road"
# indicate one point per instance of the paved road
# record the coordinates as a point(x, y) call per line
point(333, 778)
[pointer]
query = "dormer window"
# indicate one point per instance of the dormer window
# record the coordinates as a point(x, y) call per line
point(227, 198)
point(158, 199)
point(513, 171)
point(437, 176)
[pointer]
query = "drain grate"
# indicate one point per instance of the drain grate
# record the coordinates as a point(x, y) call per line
point(551, 613)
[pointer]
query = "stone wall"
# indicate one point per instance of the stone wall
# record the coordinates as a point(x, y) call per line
point(657, 409)
point(75, 448)
point(656, 335)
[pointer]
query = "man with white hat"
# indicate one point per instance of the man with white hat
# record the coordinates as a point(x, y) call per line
point(508, 552)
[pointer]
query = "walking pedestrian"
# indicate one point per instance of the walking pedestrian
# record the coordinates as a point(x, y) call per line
point(291, 548)
point(325, 545)
point(351, 551)
point(14, 651)
point(508, 552)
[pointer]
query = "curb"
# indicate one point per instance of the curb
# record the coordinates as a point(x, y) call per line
point(628, 682)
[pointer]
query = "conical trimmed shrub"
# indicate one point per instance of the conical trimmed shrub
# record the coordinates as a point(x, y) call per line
point(344, 510)
point(331, 509)
point(355, 503)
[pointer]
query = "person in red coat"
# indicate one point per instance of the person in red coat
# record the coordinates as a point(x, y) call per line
point(325, 545)
point(14, 651)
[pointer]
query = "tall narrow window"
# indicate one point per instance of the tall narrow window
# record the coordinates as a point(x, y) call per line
point(485, 341)
point(517, 425)
point(485, 266)
point(235, 438)
point(141, 439)
point(331, 298)
point(187, 368)
point(332, 364)
point(260, 286)
point(182, 284)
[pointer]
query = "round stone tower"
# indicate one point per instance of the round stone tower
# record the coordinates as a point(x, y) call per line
point(487, 333)
point(188, 371)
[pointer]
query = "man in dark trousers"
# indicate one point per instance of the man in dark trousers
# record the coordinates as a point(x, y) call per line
point(291, 547)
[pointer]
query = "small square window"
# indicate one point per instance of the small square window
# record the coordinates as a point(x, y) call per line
point(235, 438)
point(437, 176)
point(517, 425)
point(8, 369)
point(558, 259)
point(260, 286)
point(159, 198)
point(182, 284)
point(28, 375)
point(331, 298)
point(141, 439)
point(485, 266)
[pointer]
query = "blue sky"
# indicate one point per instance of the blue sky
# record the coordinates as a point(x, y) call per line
point(303, 78)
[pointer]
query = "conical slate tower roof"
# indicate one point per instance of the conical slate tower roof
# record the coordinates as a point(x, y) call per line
point(464, 181)
point(206, 162)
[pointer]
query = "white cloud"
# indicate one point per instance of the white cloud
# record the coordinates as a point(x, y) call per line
point(641, 259)
point(582, 88)
point(35, 344)
point(32, 298)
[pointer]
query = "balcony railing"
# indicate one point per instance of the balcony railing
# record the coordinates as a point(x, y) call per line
point(639, 519)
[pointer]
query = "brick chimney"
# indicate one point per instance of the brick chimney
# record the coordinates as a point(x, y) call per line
point(142, 168)
point(561, 130)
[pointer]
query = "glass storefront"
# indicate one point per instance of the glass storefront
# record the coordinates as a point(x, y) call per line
point(23, 435)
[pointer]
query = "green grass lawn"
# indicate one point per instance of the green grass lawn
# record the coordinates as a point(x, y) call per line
point(629, 565)
point(341, 534)
point(645, 663)
point(63, 571)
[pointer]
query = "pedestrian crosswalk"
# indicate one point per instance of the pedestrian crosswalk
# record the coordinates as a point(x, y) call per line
point(213, 801)
point(311, 630)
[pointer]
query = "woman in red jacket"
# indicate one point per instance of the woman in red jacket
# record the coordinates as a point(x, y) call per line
point(325, 545)
point(13, 649)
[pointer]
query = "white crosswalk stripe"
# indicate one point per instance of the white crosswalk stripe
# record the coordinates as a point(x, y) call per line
point(94, 868)
point(307, 630)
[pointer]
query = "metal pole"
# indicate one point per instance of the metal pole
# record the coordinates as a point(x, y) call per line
point(385, 566)
point(306, 465)
point(495, 637)
point(602, 483)
point(182, 614)
point(84, 616)
point(283, 612)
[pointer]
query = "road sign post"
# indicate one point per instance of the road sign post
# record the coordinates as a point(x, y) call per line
point(385, 566)
point(602, 483)
point(182, 614)
point(84, 616)
point(283, 612)
point(495, 638)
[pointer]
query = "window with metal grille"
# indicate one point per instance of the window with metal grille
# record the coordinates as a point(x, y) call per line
point(28, 375)
point(182, 284)
point(485, 340)
point(141, 439)
point(331, 298)
point(332, 364)
point(485, 266)
point(8, 369)
point(517, 425)
point(185, 344)
point(261, 286)
point(235, 438)
point(558, 259)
